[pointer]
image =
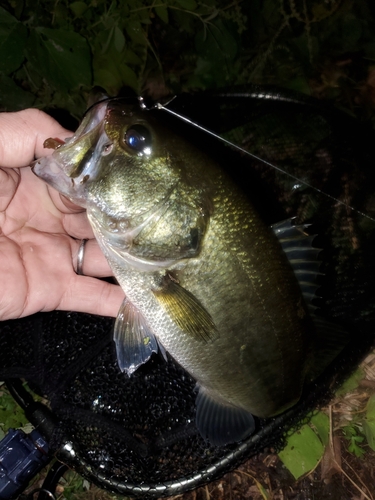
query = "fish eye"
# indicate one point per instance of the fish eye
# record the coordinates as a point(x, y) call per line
point(138, 138)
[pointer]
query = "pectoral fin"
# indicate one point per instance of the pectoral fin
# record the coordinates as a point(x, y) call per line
point(222, 424)
point(185, 310)
point(134, 340)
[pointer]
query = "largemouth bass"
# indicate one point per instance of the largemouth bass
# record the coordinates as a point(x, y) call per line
point(205, 279)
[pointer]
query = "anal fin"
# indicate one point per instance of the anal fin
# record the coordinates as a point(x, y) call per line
point(222, 424)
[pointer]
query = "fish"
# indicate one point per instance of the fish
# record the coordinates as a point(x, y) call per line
point(205, 279)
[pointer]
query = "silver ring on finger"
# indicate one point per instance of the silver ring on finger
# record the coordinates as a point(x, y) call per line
point(80, 255)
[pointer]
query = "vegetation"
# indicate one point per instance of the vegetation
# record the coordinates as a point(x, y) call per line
point(53, 51)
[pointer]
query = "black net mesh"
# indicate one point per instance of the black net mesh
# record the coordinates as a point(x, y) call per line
point(133, 435)
point(137, 435)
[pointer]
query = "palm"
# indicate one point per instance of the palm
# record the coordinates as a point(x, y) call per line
point(39, 241)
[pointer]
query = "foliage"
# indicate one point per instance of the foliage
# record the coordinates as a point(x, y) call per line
point(53, 51)
point(369, 422)
point(11, 415)
point(352, 434)
point(352, 382)
point(305, 447)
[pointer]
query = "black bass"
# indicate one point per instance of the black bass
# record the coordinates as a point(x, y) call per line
point(205, 279)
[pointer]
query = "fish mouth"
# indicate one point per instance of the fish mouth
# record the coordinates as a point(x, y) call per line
point(51, 172)
point(75, 162)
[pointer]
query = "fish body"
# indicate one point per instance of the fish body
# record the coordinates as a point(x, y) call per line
point(205, 279)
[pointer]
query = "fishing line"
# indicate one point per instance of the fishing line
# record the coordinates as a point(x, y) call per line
point(252, 155)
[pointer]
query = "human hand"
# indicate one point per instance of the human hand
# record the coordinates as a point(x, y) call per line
point(40, 232)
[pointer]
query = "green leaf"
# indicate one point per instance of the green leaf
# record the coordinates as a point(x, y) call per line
point(187, 4)
point(369, 423)
point(129, 78)
point(355, 449)
point(136, 33)
point(13, 36)
point(299, 84)
point(303, 452)
point(61, 15)
point(351, 383)
point(145, 20)
point(11, 415)
point(320, 423)
point(131, 57)
point(108, 79)
point(119, 39)
point(78, 8)
point(63, 57)
point(6, 19)
point(351, 434)
point(216, 43)
point(162, 12)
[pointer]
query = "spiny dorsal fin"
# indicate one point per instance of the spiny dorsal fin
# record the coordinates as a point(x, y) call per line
point(185, 310)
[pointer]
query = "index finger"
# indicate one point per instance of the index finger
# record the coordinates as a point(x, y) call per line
point(22, 135)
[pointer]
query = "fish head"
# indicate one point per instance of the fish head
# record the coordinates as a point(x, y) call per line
point(147, 194)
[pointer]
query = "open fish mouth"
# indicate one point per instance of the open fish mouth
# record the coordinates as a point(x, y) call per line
point(76, 161)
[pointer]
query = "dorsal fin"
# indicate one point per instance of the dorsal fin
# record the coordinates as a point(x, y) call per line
point(302, 256)
point(330, 338)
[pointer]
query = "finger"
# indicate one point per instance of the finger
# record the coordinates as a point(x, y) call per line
point(72, 207)
point(62, 203)
point(78, 226)
point(92, 296)
point(93, 263)
point(23, 133)
point(9, 180)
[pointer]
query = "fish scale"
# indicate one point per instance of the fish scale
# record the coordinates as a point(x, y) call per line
point(234, 308)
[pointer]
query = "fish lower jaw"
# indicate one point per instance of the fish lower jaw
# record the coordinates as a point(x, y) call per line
point(50, 172)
